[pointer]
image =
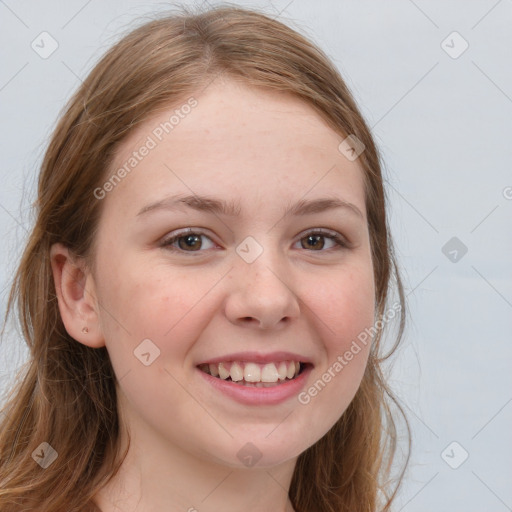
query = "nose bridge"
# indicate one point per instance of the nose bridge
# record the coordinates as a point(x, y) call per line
point(261, 288)
point(260, 262)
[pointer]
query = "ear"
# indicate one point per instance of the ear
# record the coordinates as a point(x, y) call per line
point(76, 295)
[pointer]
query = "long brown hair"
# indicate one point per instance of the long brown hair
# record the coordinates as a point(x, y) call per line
point(66, 395)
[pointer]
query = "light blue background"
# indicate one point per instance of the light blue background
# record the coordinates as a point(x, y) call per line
point(443, 125)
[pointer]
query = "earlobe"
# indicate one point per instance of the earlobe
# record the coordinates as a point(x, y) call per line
point(74, 287)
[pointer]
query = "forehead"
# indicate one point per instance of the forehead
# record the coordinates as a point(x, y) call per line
point(235, 140)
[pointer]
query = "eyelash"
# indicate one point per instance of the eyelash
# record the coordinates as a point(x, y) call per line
point(340, 241)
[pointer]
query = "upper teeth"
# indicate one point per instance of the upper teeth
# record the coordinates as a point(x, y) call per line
point(253, 372)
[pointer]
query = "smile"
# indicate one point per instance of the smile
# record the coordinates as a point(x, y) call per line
point(254, 374)
point(250, 388)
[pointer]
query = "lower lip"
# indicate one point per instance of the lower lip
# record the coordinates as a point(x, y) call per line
point(259, 396)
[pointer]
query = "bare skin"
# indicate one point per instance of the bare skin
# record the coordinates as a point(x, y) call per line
point(265, 151)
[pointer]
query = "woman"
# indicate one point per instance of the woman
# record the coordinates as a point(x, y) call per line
point(205, 289)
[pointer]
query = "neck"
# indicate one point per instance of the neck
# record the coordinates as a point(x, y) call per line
point(157, 475)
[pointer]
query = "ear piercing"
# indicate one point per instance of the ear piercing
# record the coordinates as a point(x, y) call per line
point(85, 330)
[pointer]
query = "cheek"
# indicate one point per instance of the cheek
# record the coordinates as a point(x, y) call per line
point(345, 309)
point(165, 307)
point(345, 303)
point(150, 301)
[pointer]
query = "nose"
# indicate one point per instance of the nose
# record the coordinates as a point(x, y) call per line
point(261, 296)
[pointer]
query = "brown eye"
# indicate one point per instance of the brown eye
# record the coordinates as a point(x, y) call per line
point(317, 240)
point(190, 241)
point(313, 242)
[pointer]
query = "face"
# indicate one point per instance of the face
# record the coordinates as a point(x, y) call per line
point(281, 274)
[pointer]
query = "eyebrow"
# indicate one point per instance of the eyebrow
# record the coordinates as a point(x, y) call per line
point(232, 208)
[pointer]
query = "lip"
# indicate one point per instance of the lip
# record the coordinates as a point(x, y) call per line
point(257, 357)
point(258, 396)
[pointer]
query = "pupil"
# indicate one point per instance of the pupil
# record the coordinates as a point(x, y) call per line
point(190, 240)
point(314, 241)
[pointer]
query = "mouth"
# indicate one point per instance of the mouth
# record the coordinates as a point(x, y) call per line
point(252, 374)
